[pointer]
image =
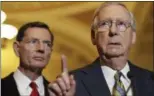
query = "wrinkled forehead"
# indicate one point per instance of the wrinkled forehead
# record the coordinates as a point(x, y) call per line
point(38, 33)
point(112, 11)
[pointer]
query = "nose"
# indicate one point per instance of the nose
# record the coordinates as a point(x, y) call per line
point(40, 47)
point(113, 29)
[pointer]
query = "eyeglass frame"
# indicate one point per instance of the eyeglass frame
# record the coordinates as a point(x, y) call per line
point(127, 24)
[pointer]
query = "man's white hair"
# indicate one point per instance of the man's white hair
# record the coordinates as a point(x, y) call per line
point(95, 17)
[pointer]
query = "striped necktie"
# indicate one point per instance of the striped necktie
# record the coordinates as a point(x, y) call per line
point(118, 89)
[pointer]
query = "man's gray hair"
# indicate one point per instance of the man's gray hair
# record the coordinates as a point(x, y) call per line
point(95, 17)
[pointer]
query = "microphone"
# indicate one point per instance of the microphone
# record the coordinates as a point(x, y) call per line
point(130, 75)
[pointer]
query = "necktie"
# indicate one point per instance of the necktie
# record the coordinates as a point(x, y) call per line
point(34, 89)
point(118, 89)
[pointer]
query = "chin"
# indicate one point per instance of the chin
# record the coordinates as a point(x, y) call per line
point(39, 65)
point(114, 54)
point(114, 51)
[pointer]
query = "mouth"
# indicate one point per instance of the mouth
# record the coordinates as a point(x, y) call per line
point(114, 44)
point(38, 58)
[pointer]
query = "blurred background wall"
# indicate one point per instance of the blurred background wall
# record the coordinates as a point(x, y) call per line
point(70, 23)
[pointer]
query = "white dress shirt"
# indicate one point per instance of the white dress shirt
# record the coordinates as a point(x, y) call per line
point(23, 83)
point(109, 77)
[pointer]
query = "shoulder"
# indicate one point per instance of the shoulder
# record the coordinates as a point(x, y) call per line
point(7, 79)
point(80, 71)
point(141, 72)
point(89, 69)
point(6, 82)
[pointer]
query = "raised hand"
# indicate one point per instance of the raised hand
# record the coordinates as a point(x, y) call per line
point(64, 84)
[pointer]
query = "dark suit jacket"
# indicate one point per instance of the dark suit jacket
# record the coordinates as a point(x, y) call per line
point(9, 87)
point(90, 81)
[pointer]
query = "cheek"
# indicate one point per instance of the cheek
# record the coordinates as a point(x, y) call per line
point(127, 40)
point(25, 53)
point(24, 56)
point(102, 40)
point(47, 59)
point(48, 54)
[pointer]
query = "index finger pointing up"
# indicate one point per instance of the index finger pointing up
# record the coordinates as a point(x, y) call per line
point(64, 63)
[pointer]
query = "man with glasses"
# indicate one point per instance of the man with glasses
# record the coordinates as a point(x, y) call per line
point(113, 32)
point(33, 46)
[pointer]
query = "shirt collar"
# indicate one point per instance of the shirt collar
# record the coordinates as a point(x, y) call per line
point(109, 72)
point(40, 85)
point(24, 81)
point(21, 79)
point(125, 71)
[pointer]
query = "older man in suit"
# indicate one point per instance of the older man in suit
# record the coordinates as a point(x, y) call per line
point(113, 32)
point(33, 46)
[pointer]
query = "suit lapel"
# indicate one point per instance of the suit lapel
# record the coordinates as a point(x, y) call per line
point(94, 80)
point(13, 91)
point(139, 83)
point(12, 85)
point(46, 86)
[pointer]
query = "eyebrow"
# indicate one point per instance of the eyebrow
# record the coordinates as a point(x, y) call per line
point(115, 19)
point(31, 38)
point(47, 41)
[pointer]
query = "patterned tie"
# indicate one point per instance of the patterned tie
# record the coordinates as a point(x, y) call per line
point(34, 89)
point(118, 89)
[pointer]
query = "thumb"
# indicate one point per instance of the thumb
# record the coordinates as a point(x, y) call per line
point(73, 83)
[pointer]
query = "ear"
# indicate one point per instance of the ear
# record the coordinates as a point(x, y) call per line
point(133, 37)
point(93, 41)
point(93, 37)
point(16, 48)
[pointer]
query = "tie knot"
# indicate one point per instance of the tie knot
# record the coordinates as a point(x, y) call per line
point(117, 76)
point(33, 85)
point(34, 89)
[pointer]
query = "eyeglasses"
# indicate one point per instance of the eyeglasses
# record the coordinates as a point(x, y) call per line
point(33, 42)
point(105, 25)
